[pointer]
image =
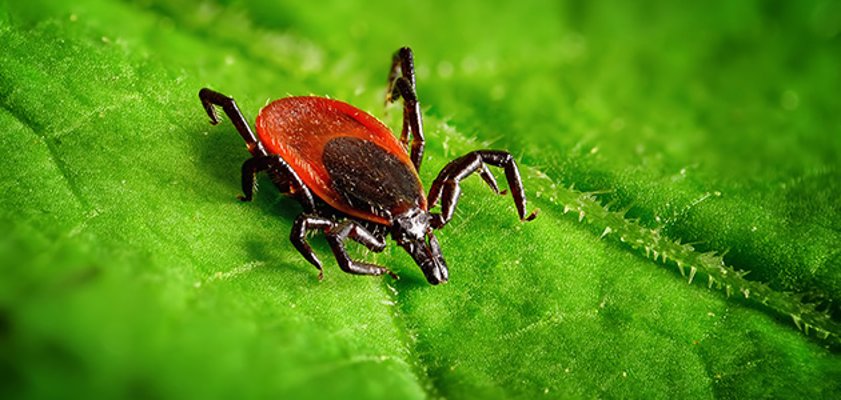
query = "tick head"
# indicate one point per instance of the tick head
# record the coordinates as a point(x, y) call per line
point(411, 226)
point(411, 230)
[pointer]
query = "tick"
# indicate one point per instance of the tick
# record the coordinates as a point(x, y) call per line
point(352, 176)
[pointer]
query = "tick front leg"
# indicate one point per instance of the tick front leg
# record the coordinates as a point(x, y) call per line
point(210, 98)
point(337, 234)
point(446, 186)
point(303, 224)
point(283, 176)
point(337, 237)
point(401, 83)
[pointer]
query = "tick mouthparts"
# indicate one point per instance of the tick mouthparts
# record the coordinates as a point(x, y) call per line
point(428, 257)
point(435, 272)
point(435, 269)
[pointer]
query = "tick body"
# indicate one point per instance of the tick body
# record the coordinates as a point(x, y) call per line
point(347, 158)
point(354, 179)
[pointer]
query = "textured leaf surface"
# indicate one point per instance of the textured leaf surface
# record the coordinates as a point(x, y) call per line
point(130, 270)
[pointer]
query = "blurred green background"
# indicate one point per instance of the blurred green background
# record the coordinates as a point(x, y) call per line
point(129, 270)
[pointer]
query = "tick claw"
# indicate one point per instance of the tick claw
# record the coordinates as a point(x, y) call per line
point(532, 216)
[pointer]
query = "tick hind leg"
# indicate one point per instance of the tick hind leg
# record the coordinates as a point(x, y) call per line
point(283, 176)
point(401, 83)
point(337, 234)
point(446, 186)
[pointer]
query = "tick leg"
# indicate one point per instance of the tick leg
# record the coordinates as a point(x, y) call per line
point(401, 83)
point(337, 234)
point(210, 98)
point(283, 176)
point(488, 177)
point(303, 224)
point(446, 186)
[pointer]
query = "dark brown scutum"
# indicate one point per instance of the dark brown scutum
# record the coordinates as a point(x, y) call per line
point(370, 178)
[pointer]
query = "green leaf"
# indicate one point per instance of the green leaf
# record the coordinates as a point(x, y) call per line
point(131, 270)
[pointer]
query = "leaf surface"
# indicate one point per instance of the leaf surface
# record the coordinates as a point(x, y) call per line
point(131, 270)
